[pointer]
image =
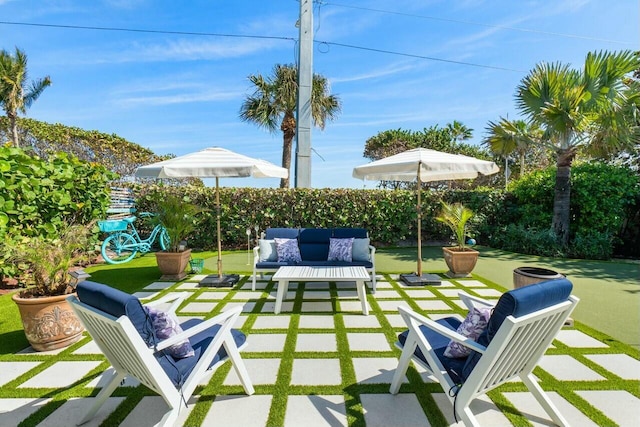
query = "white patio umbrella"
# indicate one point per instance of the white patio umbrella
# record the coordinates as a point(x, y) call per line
point(424, 165)
point(213, 162)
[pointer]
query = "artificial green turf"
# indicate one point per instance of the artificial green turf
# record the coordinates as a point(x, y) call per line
point(351, 390)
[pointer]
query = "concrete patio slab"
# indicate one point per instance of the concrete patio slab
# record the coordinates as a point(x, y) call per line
point(272, 322)
point(620, 406)
point(622, 365)
point(531, 409)
point(265, 342)
point(432, 305)
point(566, 368)
point(261, 371)
point(316, 342)
point(385, 410)
point(245, 411)
point(60, 374)
point(419, 293)
point(208, 295)
point(72, 411)
point(316, 411)
point(316, 306)
point(14, 411)
point(151, 409)
point(316, 322)
point(316, 372)
point(9, 371)
point(159, 286)
point(367, 342)
point(485, 411)
point(575, 338)
point(355, 321)
point(375, 370)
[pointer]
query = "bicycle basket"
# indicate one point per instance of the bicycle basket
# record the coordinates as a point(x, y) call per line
point(111, 225)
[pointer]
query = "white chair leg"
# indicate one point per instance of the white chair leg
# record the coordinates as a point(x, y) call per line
point(239, 366)
point(104, 394)
point(467, 417)
point(544, 400)
point(253, 280)
point(403, 364)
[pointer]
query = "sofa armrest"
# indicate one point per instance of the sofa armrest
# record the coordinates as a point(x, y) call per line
point(256, 255)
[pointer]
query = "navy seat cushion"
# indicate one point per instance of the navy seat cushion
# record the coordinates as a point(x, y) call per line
point(519, 302)
point(345, 233)
point(326, 263)
point(273, 265)
point(178, 370)
point(439, 344)
point(281, 233)
point(117, 303)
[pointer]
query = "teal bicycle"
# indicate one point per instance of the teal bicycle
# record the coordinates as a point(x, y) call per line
point(124, 242)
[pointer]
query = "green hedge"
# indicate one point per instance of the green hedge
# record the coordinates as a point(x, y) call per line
point(389, 216)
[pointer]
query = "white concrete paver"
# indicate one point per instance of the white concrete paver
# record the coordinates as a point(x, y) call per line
point(485, 411)
point(368, 342)
point(60, 374)
point(241, 410)
point(316, 372)
point(151, 409)
point(566, 368)
point(315, 411)
point(575, 338)
point(9, 371)
point(432, 305)
point(316, 322)
point(272, 322)
point(378, 370)
point(385, 410)
point(72, 411)
point(355, 321)
point(316, 342)
point(531, 409)
point(265, 342)
point(261, 371)
point(622, 365)
point(14, 411)
point(620, 406)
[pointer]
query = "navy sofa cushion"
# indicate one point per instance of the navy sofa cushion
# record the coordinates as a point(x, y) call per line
point(519, 302)
point(281, 233)
point(314, 243)
point(117, 303)
point(345, 233)
point(439, 344)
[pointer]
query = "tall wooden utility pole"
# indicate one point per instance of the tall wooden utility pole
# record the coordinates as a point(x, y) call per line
point(305, 80)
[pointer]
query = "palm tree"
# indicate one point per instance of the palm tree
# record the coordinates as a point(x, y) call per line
point(15, 95)
point(589, 109)
point(459, 132)
point(273, 102)
point(509, 136)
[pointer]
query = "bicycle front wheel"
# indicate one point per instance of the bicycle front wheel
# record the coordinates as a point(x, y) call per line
point(119, 248)
point(164, 239)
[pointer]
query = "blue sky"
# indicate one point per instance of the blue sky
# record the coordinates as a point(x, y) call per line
point(178, 93)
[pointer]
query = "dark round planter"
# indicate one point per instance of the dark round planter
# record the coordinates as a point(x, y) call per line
point(523, 276)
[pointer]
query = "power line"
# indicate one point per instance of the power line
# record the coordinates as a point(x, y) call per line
point(410, 55)
point(193, 33)
point(138, 30)
point(480, 24)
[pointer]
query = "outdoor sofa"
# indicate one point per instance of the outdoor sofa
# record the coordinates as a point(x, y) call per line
point(313, 245)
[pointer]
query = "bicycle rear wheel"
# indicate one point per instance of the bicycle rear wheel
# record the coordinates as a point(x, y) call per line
point(119, 248)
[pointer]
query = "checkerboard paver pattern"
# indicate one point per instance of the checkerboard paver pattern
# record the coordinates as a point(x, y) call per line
point(325, 363)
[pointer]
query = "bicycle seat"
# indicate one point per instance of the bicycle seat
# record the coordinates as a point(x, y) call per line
point(130, 219)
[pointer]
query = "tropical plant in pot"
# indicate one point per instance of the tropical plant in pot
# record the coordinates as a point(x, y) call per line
point(179, 217)
point(48, 321)
point(460, 259)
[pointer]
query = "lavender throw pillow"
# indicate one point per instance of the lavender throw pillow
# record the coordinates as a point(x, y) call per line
point(288, 250)
point(472, 326)
point(166, 325)
point(340, 249)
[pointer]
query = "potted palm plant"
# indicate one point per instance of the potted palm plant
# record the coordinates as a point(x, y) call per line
point(460, 259)
point(179, 217)
point(48, 321)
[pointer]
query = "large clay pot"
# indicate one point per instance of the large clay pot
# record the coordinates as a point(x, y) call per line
point(460, 262)
point(49, 322)
point(172, 265)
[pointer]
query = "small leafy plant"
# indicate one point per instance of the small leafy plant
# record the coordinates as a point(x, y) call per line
point(178, 215)
point(456, 217)
point(46, 262)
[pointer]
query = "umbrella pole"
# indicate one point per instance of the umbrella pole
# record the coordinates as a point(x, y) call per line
point(218, 228)
point(419, 183)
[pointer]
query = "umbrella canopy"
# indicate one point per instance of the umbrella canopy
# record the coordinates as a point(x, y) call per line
point(213, 162)
point(422, 165)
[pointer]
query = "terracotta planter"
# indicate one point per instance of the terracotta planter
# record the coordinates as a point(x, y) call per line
point(460, 262)
point(172, 265)
point(49, 322)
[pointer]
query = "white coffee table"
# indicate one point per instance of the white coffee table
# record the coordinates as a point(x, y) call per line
point(320, 274)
